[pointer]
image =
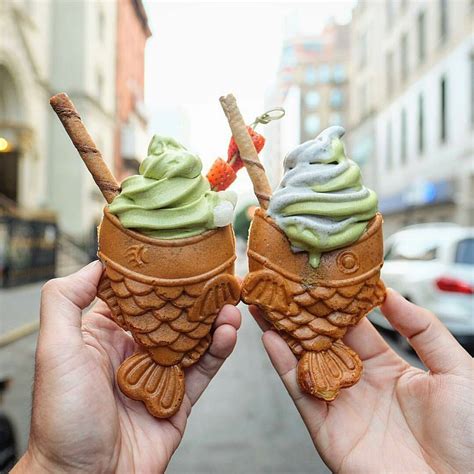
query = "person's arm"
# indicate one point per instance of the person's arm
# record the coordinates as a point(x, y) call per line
point(397, 418)
point(81, 422)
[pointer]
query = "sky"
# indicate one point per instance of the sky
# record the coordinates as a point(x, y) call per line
point(202, 50)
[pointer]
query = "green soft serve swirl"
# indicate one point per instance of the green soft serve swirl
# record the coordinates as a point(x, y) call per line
point(170, 199)
point(321, 204)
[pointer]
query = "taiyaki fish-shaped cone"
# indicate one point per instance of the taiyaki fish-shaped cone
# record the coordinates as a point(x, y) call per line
point(312, 307)
point(167, 293)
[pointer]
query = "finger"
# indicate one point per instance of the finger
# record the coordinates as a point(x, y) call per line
point(263, 324)
point(229, 315)
point(199, 375)
point(312, 410)
point(101, 308)
point(434, 344)
point(62, 302)
point(366, 341)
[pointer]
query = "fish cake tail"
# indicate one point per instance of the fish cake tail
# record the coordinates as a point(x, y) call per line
point(161, 388)
point(323, 373)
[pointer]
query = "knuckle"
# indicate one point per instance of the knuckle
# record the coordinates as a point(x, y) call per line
point(51, 286)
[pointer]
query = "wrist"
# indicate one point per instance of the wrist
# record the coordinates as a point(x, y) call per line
point(33, 461)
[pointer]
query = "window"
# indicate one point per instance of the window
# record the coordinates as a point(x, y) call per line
point(389, 73)
point(404, 58)
point(443, 125)
point(363, 50)
point(313, 46)
point(471, 59)
point(312, 124)
point(310, 75)
point(324, 73)
point(421, 124)
point(465, 252)
point(389, 156)
point(339, 73)
point(443, 19)
point(403, 141)
point(336, 99)
point(312, 100)
point(289, 59)
point(421, 37)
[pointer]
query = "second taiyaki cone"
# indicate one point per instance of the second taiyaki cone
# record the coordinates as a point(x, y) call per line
point(169, 253)
point(315, 261)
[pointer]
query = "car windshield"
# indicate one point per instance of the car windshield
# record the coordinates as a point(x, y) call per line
point(465, 252)
point(414, 248)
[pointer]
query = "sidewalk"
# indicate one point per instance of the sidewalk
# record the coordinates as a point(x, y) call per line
point(19, 306)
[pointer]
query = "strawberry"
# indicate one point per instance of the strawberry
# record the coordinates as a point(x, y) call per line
point(233, 155)
point(221, 175)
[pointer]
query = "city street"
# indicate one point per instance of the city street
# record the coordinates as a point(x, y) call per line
point(334, 117)
point(245, 422)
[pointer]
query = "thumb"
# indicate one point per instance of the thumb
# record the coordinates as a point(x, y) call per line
point(62, 302)
point(312, 410)
point(435, 345)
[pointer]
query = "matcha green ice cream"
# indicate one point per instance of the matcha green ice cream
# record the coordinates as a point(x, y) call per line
point(321, 204)
point(170, 199)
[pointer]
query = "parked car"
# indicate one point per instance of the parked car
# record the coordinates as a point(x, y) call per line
point(432, 265)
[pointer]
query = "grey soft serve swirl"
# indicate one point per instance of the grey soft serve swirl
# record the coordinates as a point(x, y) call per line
point(321, 204)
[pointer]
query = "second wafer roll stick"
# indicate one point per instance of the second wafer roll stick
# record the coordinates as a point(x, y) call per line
point(247, 150)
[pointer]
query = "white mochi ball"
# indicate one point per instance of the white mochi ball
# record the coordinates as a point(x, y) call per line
point(223, 214)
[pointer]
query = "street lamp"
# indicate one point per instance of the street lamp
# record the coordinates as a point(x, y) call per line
point(5, 145)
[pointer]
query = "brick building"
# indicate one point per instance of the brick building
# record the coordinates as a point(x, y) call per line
point(131, 132)
point(312, 86)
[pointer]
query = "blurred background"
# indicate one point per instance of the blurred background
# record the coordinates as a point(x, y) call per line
point(397, 74)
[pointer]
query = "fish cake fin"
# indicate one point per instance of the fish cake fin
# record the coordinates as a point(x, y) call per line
point(219, 291)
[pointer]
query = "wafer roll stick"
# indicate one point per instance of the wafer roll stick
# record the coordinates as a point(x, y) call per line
point(86, 147)
point(247, 150)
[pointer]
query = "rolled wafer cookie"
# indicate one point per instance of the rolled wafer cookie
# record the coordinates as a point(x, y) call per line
point(84, 144)
point(247, 150)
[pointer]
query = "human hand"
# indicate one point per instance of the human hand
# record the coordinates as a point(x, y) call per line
point(81, 422)
point(397, 418)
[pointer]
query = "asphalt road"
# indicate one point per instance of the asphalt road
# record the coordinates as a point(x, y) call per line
point(245, 422)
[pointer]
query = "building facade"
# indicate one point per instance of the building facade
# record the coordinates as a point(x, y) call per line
point(24, 89)
point(412, 120)
point(48, 47)
point(131, 137)
point(82, 63)
point(312, 85)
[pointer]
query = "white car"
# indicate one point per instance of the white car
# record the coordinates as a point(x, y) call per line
point(432, 265)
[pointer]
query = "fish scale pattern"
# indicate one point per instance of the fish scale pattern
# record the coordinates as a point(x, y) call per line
point(166, 316)
point(311, 318)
